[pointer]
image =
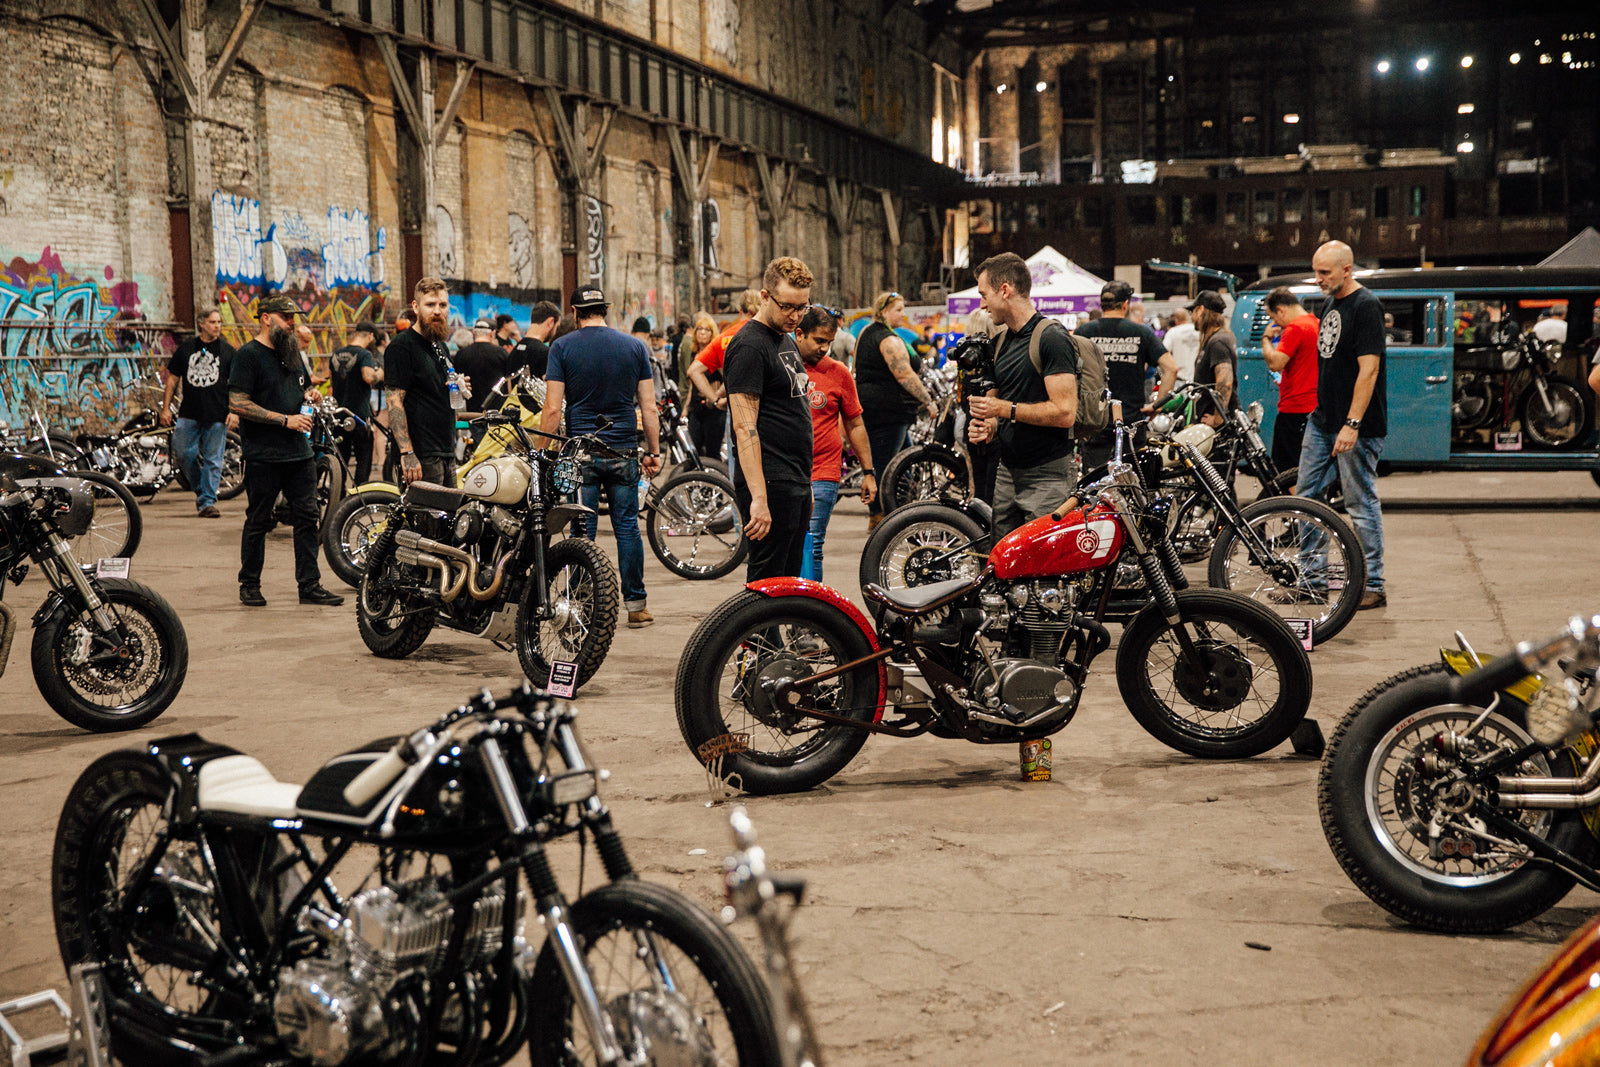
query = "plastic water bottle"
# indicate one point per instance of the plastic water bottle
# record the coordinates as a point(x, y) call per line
point(457, 401)
point(307, 410)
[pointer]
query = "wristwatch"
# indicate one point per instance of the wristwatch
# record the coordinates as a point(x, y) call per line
point(1354, 424)
point(1013, 411)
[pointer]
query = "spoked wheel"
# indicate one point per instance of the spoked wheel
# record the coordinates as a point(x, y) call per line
point(118, 524)
point(144, 906)
point(693, 526)
point(676, 987)
point(923, 544)
point(922, 473)
point(1242, 692)
point(727, 680)
point(232, 483)
point(1558, 416)
point(351, 528)
point(1307, 563)
point(584, 596)
point(392, 621)
point(1410, 832)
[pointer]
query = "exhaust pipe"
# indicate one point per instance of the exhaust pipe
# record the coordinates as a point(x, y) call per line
point(429, 549)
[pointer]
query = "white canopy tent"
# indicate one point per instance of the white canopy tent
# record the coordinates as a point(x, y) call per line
point(1060, 287)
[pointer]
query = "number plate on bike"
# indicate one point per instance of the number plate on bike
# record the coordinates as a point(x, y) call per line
point(116, 567)
point(563, 678)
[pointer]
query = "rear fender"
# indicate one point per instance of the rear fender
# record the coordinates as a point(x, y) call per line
point(374, 487)
point(805, 587)
point(1461, 663)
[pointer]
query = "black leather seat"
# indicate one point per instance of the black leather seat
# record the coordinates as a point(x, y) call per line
point(434, 496)
point(918, 598)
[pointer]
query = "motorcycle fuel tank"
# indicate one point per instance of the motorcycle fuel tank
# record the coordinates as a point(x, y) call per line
point(501, 480)
point(1079, 541)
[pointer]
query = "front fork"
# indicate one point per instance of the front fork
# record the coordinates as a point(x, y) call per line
point(64, 570)
point(1156, 565)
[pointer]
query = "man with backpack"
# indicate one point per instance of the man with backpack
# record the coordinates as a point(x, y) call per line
point(1130, 349)
point(1046, 384)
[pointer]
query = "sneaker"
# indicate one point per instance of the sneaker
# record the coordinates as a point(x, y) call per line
point(1372, 599)
point(209, 512)
point(1298, 595)
point(638, 620)
point(250, 596)
point(318, 595)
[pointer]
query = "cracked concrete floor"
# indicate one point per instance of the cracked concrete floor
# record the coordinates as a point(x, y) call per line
point(956, 914)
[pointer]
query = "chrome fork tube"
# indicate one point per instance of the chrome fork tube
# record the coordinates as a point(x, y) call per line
point(91, 599)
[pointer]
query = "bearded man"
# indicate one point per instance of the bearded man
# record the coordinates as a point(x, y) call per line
point(416, 376)
point(267, 385)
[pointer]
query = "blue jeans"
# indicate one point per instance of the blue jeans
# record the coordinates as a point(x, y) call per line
point(823, 496)
point(1357, 472)
point(620, 479)
point(198, 448)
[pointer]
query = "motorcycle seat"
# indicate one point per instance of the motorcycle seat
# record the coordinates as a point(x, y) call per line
point(917, 598)
point(434, 496)
point(240, 785)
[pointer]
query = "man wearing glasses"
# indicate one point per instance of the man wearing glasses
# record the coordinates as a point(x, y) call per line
point(767, 396)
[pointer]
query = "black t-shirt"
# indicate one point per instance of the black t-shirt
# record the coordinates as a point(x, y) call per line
point(765, 364)
point(204, 367)
point(1129, 349)
point(1351, 327)
point(532, 353)
point(346, 382)
point(422, 368)
point(1021, 445)
point(883, 399)
point(258, 375)
point(1219, 348)
point(484, 364)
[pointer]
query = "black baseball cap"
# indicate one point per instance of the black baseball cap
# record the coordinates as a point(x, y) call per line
point(1115, 294)
point(1211, 300)
point(589, 298)
point(365, 326)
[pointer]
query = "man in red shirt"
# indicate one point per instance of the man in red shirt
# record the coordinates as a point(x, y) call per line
point(1289, 346)
point(832, 397)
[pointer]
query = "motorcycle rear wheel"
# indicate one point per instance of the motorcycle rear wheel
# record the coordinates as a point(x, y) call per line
point(1564, 425)
point(750, 639)
point(392, 622)
point(1375, 811)
point(693, 526)
point(583, 591)
point(712, 1002)
point(920, 474)
point(1249, 655)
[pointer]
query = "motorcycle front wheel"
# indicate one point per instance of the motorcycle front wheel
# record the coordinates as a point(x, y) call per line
point(693, 526)
point(1313, 567)
point(1388, 823)
point(118, 523)
point(920, 474)
point(584, 596)
point(1242, 694)
point(352, 526)
point(1561, 424)
point(723, 689)
point(677, 987)
point(122, 691)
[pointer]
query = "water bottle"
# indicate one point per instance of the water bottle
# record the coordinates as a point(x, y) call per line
point(457, 401)
point(307, 410)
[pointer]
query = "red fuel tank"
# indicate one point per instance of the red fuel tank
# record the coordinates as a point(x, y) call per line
point(1080, 541)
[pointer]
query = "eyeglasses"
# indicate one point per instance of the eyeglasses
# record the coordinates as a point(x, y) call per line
point(789, 309)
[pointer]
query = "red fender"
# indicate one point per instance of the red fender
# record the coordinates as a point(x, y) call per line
point(776, 587)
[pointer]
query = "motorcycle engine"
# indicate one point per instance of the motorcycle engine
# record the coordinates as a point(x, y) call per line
point(1027, 682)
point(1025, 688)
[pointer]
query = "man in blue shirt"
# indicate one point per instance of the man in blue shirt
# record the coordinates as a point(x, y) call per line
point(604, 373)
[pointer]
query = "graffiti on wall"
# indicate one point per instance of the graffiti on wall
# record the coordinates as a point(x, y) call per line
point(73, 343)
point(722, 28)
point(332, 265)
point(519, 249)
point(594, 241)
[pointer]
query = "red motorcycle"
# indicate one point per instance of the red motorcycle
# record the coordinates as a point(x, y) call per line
point(780, 686)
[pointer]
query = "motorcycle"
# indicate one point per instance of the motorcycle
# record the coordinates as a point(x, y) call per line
point(117, 526)
point(108, 653)
point(788, 677)
point(478, 559)
point(376, 914)
point(1465, 796)
point(1554, 411)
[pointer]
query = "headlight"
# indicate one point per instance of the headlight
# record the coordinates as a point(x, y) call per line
point(570, 788)
point(1161, 425)
point(1255, 412)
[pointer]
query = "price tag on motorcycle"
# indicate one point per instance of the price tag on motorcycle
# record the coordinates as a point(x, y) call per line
point(563, 678)
point(1301, 628)
point(1508, 441)
point(112, 568)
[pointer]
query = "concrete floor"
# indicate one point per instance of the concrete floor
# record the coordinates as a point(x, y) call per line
point(957, 915)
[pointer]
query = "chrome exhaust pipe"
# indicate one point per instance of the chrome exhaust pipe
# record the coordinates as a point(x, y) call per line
point(469, 574)
point(450, 583)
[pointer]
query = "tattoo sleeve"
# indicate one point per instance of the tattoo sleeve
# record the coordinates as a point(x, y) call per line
point(241, 405)
point(744, 408)
point(899, 363)
point(395, 401)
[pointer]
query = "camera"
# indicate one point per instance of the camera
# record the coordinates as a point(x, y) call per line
point(974, 358)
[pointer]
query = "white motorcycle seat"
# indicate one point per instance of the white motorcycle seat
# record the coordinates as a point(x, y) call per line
point(240, 785)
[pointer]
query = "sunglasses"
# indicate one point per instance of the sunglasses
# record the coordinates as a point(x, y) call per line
point(835, 312)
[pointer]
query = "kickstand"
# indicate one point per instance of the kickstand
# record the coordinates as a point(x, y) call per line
point(1307, 739)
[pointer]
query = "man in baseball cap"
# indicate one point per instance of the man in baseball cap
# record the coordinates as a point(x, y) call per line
point(484, 364)
point(1211, 300)
point(590, 300)
point(1129, 350)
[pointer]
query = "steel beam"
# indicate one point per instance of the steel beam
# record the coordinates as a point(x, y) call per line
point(248, 10)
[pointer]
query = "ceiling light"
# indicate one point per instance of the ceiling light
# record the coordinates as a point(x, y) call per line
point(1465, 109)
point(1544, 57)
point(1040, 87)
point(1566, 57)
point(1516, 57)
point(1422, 63)
point(1464, 147)
point(1001, 88)
point(1466, 61)
point(1383, 66)
point(1291, 118)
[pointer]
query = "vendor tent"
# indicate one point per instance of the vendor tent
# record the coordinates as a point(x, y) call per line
point(1582, 251)
point(1060, 287)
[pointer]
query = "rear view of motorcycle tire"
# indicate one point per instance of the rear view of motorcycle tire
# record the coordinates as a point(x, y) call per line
point(584, 596)
point(393, 621)
point(352, 526)
point(1249, 690)
point(724, 688)
point(1563, 422)
point(677, 986)
point(1315, 571)
point(125, 691)
point(914, 546)
point(1377, 807)
point(117, 526)
point(693, 526)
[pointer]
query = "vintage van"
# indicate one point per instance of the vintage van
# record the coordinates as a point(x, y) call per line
point(1459, 382)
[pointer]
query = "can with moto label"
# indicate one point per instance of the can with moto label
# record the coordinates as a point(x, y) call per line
point(1035, 756)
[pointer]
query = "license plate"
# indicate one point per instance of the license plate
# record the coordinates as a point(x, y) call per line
point(116, 567)
point(1301, 628)
point(563, 679)
point(1510, 441)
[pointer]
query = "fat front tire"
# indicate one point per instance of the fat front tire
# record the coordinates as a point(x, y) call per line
point(1314, 568)
point(122, 692)
point(352, 527)
point(922, 473)
point(118, 524)
point(1249, 691)
point(1564, 423)
point(582, 590)
point(659, 960)
point(723, 688)
point(693, 526)
point(389, 613)
point(1376, 809)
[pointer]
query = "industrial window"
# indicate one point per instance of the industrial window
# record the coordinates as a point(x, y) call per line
point(1205, 208)
point(1266, 208)
point(1417, 205)
point(1233, 209)
point(1294, 205)
point(1357, 211)
point(1142, 210)
point(1380, 202)
point(1321, 204)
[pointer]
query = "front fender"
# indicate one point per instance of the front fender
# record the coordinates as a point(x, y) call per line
point(53, 605)
point(777, 587)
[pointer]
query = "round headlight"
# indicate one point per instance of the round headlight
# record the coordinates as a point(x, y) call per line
point(1255, 412)
point(1161, 424)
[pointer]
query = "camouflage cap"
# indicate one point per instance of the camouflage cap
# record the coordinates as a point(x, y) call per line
point(277, 304)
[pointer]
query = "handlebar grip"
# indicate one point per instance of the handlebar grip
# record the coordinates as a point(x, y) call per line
point(1496, 674)
point(1066, 505)
point(378, 776)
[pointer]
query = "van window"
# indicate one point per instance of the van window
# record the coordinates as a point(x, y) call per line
point(1405, 321)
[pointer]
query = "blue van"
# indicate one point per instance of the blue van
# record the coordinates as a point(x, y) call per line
point(1456, 384)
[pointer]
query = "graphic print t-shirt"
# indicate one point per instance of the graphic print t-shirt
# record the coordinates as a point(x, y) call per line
point(421, 368)
point(204, 367)
point(1351, 327)
point(764, 363)
point(1129, 350)
point(833, 393)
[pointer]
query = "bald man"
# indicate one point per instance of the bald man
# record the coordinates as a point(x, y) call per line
point(1344, 436)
